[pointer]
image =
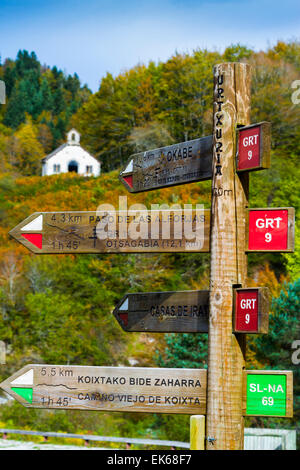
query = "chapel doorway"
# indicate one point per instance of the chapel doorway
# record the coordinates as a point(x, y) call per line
point(73, 166)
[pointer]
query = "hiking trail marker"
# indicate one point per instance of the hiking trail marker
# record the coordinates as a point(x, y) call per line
point(142, 389)
point(162, 312)
point(116, 232)
point(251, 310)
point(187, 311)
point(270, 229)
point(254, 147)
point(191, 161)
point(168, 166)
point(136, 389)
point(268, 393)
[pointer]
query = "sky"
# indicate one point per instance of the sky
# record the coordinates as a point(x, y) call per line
point(93, 37)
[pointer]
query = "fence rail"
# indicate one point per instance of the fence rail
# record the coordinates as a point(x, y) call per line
point(274, 439)
point(89, 437)
point(255, 439)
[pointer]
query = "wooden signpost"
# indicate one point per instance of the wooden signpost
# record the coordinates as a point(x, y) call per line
point(187, 311)
point(226, 351)
point(191, 161)
point(118, 232)
point(225, 393)
point(140, 389)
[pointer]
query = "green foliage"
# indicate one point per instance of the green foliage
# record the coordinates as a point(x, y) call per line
point(293, 259)
point(73, 298)
point(186, 350)
point(177, 95)
point(236, 53)
point(275, 349)
point(58, 309)
point(33, 90)
point(175, 427)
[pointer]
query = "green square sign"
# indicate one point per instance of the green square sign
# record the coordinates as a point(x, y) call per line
point(266, 395)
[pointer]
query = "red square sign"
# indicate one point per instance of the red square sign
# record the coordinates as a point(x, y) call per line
point(246, 310)
point(268, 229)
point(249, 148)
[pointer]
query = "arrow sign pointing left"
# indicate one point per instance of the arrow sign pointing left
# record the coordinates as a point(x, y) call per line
point(116, 232)
point(142, 389)
point(164, 312)
point(187, 311)
point(181, 163)
point(270, 229)
point(136, 389)
point(191, 161)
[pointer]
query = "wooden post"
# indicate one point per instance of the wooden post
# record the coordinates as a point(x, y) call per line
point(197, 432)
point(2, 353)
point(224, 420)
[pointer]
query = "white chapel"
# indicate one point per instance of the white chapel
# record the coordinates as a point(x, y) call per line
point(71, 157)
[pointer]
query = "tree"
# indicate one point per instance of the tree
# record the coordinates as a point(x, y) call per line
point(186, 350)
point(34, 90)
point(293, 259)
point(30, 151)
point(236, 53)
point(150, 136)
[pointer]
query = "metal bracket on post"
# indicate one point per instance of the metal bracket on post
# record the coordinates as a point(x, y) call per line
point(211, 440)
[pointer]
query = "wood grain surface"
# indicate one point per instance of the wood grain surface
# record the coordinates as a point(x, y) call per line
point(118, 232)
point(224, 421)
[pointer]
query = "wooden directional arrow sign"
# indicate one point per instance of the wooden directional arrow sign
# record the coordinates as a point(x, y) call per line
point(168, 166)
point(187, 311)
point(191, 161)
point(139, 389)
point(117, 232)
point(109, 388)
point(270, 229)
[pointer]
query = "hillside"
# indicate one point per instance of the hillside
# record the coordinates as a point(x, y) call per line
point(57, 309)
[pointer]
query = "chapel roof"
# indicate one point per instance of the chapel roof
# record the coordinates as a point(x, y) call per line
point(70, 143)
